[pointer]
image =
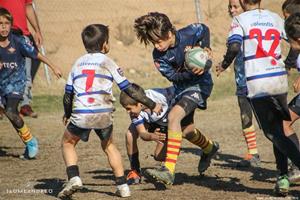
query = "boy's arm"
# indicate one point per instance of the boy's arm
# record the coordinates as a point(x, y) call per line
point(234, 43)
point(68, 102)
point(169, 72)
point(45, 60)
point(125, 85)
point(33, 20)
point(141, 97)
point(146, 136)
point(204, 35)
point(291, 60)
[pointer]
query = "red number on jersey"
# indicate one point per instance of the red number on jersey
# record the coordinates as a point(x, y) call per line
point(271, 34)
point(89, 82)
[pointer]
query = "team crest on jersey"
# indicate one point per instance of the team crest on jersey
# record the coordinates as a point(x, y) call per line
point(11, 50)
point(233, 26)
point(120, 71)
point(195, 95)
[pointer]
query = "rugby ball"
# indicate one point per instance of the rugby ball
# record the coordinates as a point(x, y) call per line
point(197, 58)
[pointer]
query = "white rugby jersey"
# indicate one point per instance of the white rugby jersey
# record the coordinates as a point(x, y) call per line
point(91, 80)
point(163, 96)
point(260, 33)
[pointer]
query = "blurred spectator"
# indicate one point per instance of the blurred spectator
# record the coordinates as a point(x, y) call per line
point(22, 10)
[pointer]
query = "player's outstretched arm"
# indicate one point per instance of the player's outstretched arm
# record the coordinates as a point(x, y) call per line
point(55, 69)
point(232, 51)
point(146, 136)
point(143, 99)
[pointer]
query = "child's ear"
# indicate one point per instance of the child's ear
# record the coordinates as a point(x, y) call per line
point(105, 47)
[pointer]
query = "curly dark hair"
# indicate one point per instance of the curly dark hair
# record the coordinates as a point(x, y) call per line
point(152, 27)
point(292, 26)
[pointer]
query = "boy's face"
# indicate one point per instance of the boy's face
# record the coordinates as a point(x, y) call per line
point(295, 44)
point(234, 7)
point(164, 44)
point(5, 27)
point(134, 110)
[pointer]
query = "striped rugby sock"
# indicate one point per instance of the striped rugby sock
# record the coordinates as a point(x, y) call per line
point(24, 133)
point(173, 148)
point(250, 137)
point(197, 138)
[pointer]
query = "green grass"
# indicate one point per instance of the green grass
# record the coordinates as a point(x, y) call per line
point(48, 103)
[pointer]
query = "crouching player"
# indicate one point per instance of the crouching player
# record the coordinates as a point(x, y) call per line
point(88, 105)
point(152, 127)
point(13, 50)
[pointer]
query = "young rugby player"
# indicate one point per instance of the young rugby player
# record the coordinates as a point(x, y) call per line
point(13, 50)
point(152, 127)
point(252, 157)
point(260, 31)
point(192, 88)
point(88, 106)
point(290, 7)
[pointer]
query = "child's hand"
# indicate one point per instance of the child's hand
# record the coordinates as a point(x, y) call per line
point(296, 85)
point(219, 69)
point(57, 72)
point(158, 136)
point(198, 71)
point(209, 52)
point(65, 120)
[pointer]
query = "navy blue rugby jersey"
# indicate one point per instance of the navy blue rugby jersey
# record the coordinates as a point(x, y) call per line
point(171, 62)
point(12, 59)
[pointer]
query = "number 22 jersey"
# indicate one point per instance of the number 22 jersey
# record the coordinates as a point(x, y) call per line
point(260, 33)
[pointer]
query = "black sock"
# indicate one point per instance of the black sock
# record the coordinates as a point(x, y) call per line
point(134, 162)
point(294, 139)
point(120, 180)
point(72, 171)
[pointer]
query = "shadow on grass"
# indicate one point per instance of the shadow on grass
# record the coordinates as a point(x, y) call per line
point(53, 186)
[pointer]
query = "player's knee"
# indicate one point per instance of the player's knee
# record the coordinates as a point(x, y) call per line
point(246, 121)
point(15, 118)
point(69, 139)
point(173, 117)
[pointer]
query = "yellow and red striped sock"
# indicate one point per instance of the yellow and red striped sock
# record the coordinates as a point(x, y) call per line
point(173, 148)
point(250, 137)
point(25, 134)
point(197, 138)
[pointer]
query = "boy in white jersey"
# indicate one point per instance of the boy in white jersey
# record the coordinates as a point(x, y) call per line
point(153, 127)
point(259, 32)
point(88, 106)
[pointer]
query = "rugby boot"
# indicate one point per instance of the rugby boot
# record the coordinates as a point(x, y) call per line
point(250, 160)
point(205, 160)
point(27, 111)
point(294, 175)
point(162, 175)
point(31, 149)
point(123, 190)
point(282, 186)
point(71, 187)
point(133, 178)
